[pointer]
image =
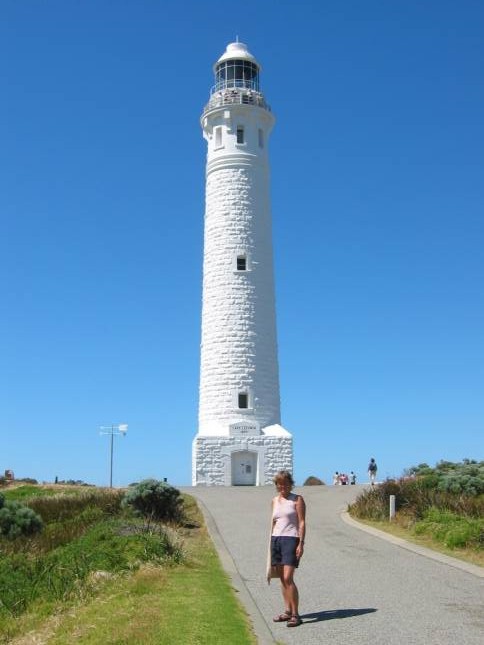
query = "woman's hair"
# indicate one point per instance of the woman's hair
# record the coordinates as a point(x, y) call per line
point(283, 476)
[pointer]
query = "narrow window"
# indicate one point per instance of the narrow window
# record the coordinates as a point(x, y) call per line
point(241, 263)
point(218, 137)
point(261, 138)
point(243, 400)
point(240, 134)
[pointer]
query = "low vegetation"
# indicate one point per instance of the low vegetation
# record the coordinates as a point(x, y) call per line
point(155, 500)
point(160, 578)
point(313, 481)
point(444, 504)
point(16, 519)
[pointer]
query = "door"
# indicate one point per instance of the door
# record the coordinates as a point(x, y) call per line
point(244, 465)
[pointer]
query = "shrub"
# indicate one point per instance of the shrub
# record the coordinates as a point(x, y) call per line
point(17, 519)
point(313, 481)
point(469, 482)
point(414, 497)
point(445, 502)
point(155, 500)
point(466, 477)
point(372, 504)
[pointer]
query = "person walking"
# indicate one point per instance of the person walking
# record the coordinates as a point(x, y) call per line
point(287, 543)
point(372, 468)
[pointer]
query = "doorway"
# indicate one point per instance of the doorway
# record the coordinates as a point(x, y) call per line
point(244, 468)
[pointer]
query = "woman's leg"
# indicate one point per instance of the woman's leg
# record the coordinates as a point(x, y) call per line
point(289, 589)
point(287, 609)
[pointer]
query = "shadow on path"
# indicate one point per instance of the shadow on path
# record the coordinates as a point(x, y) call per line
point(336, 613)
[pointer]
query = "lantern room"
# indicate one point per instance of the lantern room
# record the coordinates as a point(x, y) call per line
point(236, 68)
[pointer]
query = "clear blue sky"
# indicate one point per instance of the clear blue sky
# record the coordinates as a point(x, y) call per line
point(378, 200)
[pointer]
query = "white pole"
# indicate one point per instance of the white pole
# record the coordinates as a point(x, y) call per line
point(392, 507)
point(120, 429)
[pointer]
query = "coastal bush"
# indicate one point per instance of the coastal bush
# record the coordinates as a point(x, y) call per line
point(446, 502)
point(313, 481)
point(17, 520)
point(155, 500)
point(466, 477)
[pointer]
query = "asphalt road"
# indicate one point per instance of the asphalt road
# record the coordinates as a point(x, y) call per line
point(355, 588)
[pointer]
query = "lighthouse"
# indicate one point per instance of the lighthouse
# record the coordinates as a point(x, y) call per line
point(240, 440)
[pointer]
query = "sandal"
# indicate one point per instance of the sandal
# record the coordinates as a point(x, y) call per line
point(294, 621)
point(282, 617)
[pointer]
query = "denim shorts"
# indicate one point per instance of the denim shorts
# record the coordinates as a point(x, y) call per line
point(283, 550)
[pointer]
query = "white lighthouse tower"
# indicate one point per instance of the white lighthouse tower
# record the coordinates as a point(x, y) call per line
point(240, 440)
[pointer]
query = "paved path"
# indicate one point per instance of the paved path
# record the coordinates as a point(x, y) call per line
point(355, 588)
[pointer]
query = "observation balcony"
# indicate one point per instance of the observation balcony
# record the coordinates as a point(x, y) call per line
point(234, 96)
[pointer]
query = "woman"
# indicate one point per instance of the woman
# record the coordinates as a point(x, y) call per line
point(287, 543)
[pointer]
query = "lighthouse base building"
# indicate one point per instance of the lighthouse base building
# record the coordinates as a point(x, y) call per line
point(240, 440)
point(246, 457)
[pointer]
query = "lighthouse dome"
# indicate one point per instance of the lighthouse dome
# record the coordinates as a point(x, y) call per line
point(237, 51)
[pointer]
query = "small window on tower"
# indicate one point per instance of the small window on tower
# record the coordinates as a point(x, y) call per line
point(218, 137)
point(241, 263)
point(261, 138)
point(243, 400)
point(240, 134)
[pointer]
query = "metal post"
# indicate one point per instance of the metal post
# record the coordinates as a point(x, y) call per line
point(392, 507)
point(112, 447)
point(120, 429)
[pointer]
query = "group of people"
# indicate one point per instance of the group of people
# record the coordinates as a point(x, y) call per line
point(288, 531)
point(342, 479)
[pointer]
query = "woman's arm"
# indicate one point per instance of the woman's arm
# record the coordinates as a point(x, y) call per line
point(301, 516)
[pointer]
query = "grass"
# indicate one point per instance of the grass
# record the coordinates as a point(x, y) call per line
point(191, 603)
point(394, 528)
point(23, 492)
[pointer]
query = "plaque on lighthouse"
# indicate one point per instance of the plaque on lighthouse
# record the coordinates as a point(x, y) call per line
point(240, 439)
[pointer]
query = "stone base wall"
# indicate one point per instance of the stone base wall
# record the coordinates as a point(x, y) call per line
point(212, 458)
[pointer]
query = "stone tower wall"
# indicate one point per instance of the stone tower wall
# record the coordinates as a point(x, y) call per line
point(239, 348)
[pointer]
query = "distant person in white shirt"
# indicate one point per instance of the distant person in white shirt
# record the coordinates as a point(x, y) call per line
point(372, 468)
